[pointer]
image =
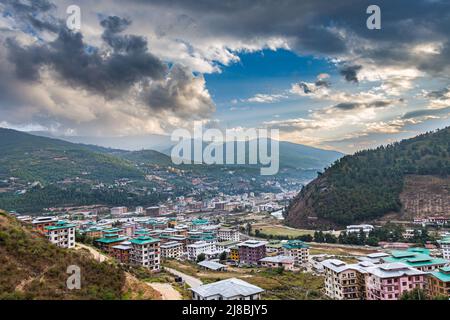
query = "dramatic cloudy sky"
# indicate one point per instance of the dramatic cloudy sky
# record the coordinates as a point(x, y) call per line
point(312, 69)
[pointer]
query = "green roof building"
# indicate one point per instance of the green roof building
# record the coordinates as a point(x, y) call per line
point(439, 283)
point(418, 258)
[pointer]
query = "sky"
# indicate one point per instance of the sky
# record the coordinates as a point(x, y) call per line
point(311, 69)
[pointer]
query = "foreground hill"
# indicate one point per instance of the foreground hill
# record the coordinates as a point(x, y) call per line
point(33, 268)
point(369, 184)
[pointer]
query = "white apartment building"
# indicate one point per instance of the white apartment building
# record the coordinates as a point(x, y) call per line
point(200, 247)
point(171, 250)
point(61, 234)
point(366, 228)
point(298, 250)
point(145, 251)
point(445, 247)
point(344, 281)
point(228, 234)
point(119, 210)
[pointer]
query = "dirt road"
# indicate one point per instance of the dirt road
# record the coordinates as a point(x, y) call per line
point(166, 290)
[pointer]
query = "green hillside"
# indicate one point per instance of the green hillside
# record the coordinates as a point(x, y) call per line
point(367, 185)
point(46, 160)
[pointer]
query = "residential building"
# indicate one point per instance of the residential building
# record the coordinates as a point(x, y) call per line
point(61, 234)
point(366, 228)
point(172, 250)
point(108, 241)
point(445, 247)
point(251, 251)
point(94, 232)
point(389, 281)
point(212, 265)
point(234, 253)
point(121, 252)
point(229, 289)
point(154, 211)
point(298, 250)
point(199, 247)
point(418, 258)
point(145, 252)
point(344, 281)
point(375, 258)
point(118, 211)
point(228, 234)
point(226, 245)
point(439, 283)
point(41, 223)
point(285, 262)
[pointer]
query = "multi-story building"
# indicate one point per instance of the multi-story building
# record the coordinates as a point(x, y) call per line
point(121, 252)
point(234, 254)
point(108, 241)
point(118, 210)
point(285, 262)
point(418, 258)
point(389, 281)
point(229, 289)
point(145, 252)
point(445, 247)
point(228, 234)
point(226, 245)
point(439, 283)
point(41, 223)
point(171, 249)
point(62, 234)
point(375, 258)
point(94, 232)
point(199, 247)
point(344, 281)
point(366, 228)
point(298, 250)
point(251, 251)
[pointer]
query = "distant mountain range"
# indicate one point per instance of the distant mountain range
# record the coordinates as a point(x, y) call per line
point(404, 179)
point(49, 172)
point(292, 155)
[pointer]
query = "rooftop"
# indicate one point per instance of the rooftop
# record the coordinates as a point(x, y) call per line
point(60, 225)
point(228, 288)
point(211, 265)
point(295, 244)
point(143, 240)
point(252, 243)
point(278, 259)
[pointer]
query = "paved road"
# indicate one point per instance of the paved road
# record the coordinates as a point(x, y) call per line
point(167, 290)
point(190, 280)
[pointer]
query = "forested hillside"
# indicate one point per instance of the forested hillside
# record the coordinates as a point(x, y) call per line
point(367, 185)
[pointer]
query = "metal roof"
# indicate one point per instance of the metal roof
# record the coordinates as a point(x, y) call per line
point(211, 265)
point(227, 288)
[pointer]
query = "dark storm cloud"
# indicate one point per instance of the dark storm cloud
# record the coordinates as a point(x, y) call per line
point(350, 73)
point(438, 94)
point(34, 12)
point(80, 65)
point(179, 94)
point(356, 105)
point(309, 26)
point(426, 112)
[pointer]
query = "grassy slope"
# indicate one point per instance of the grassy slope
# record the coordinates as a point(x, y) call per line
point(34, 158)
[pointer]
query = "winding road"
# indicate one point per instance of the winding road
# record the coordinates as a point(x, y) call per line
point(190, 280)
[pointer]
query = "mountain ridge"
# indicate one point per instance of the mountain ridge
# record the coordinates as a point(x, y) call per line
point(367, 185)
